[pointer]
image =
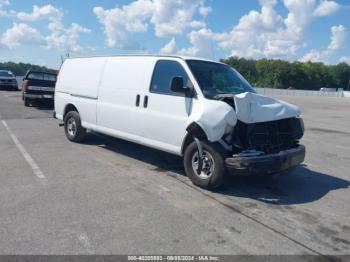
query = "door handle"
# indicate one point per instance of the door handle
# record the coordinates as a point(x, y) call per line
point(145, 102)
point(138, 100)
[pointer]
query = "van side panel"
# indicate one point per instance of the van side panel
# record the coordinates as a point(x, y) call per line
point(81, 76)
point(78, 84)
point(124, 78)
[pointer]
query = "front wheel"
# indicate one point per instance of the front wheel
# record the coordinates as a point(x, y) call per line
point(213, 168)
point(73, 128)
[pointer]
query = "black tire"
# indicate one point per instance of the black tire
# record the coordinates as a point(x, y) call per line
point(26, 102)
point(216, 153)
point(73, 128)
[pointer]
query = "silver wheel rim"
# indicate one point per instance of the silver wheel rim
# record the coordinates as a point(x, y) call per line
point(208, 165)
point(71, 127)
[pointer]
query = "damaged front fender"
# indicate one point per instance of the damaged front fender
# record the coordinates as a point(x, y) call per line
point(215, 118)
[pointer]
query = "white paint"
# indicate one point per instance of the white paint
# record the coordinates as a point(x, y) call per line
point(104, 91)
point(106, 104)
point(81, 76)
point(123, 79)
point(254, 108)
point(35, 168)
point(215, 117)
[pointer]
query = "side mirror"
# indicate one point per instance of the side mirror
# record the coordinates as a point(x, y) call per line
point(177, 85)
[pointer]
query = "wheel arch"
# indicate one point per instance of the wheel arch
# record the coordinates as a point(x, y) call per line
point(193, 130)
point(68, 108)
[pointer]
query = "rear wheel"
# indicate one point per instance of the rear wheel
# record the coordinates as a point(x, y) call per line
point(73, 128)
point(26, 102)
point(213, 168)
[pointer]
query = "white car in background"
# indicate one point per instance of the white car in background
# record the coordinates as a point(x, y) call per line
point(201, 110)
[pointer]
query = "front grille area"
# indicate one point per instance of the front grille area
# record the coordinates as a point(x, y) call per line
point(269, 137)
point(6, 81)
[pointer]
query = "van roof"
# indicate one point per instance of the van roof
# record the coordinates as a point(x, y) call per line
point(160, 56)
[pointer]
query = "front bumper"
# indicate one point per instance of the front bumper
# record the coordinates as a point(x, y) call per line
point(267, 164)
point(8, 86)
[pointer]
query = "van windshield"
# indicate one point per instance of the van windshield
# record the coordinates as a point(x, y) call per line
point(218, 79)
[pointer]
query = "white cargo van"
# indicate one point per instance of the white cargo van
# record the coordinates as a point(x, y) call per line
point(201, 110)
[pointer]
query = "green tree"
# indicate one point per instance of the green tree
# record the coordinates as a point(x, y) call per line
point(246, 67)
point(341, 75)
point(19, 69)
point(284, 74)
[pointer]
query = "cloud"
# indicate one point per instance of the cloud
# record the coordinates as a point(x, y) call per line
point(48, 11)
point(119, 22)
point(65, 39)
point(338, 39)
point(338, 42)
point(345, 59)
point(60, 37)
point(248, 38)
point(203, 44)
point(21, 33)
point(265, 33)
point(173, 17)
point(3, 3)
point(256, 33)
point(168, 18)
point(170, 48)
point(205, 10)
point(326, 8)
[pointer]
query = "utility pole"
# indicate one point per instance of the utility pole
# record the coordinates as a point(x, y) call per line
point(64, 57)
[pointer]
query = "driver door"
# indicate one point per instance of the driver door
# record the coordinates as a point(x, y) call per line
point(166, 113)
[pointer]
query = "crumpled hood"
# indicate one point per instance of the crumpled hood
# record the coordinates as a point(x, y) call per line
point(254, 108)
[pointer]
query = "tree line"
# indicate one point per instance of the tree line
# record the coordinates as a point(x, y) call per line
point(297, 75)
point(20, 69)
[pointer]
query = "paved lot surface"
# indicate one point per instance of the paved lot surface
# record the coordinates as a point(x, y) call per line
point(107, 196)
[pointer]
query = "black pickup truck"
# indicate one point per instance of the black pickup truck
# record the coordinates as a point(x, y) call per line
point(38, 86)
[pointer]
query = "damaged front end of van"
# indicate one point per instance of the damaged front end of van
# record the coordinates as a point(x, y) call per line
point(259, 134)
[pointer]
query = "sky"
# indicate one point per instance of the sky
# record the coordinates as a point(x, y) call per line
point(41, 32)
